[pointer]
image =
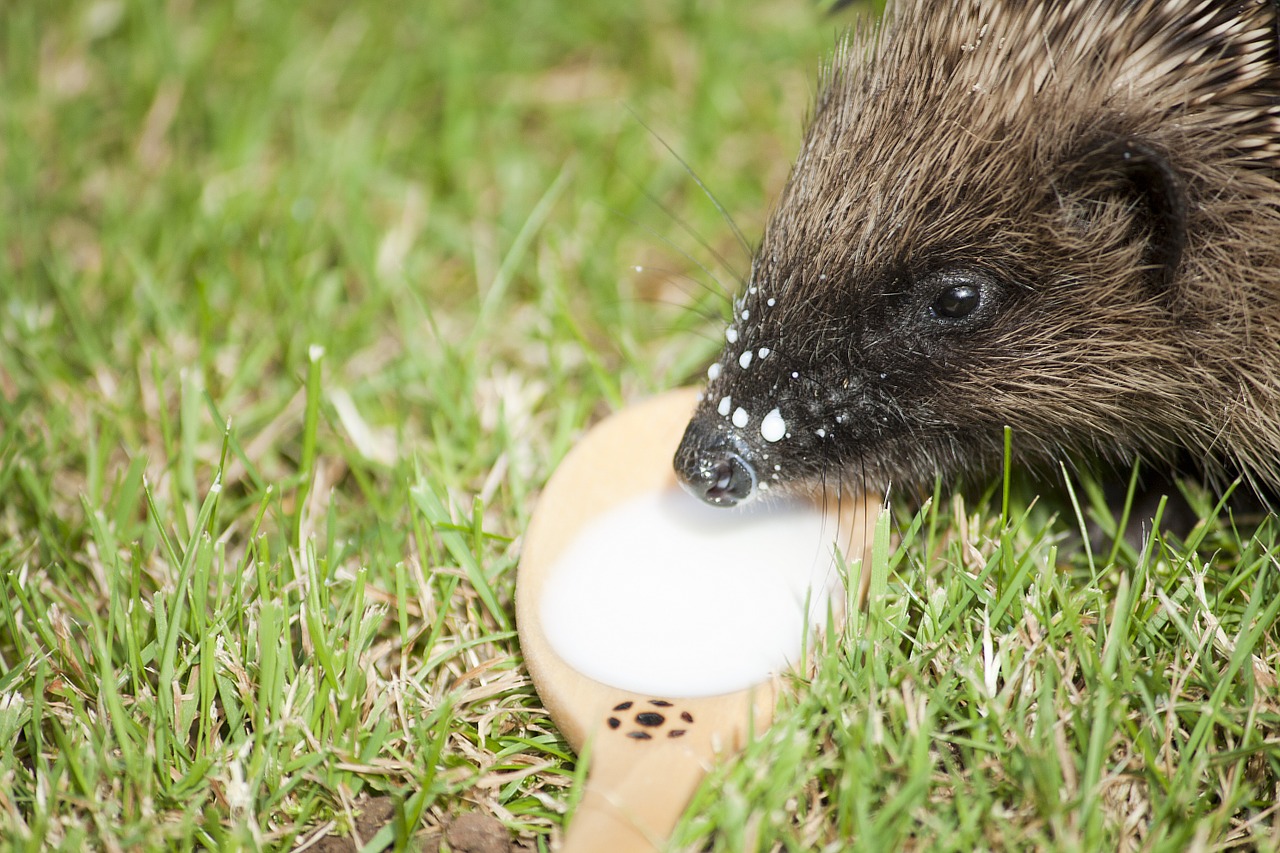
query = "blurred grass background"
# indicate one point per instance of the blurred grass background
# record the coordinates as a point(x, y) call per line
point(300, 306)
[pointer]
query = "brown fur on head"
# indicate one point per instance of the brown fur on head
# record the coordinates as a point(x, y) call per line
point(1063, 217)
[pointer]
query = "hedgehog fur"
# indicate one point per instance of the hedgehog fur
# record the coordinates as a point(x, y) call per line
point(1061, 217)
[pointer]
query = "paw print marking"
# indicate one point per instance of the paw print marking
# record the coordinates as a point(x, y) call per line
point(649, 723)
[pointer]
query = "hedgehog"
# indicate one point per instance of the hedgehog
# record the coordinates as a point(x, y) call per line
point(1060, 218)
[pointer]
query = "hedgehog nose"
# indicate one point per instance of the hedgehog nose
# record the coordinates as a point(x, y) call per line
point(713, 471)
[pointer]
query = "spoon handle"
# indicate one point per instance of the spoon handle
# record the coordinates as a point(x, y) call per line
point(633, 797)
point(646, 757)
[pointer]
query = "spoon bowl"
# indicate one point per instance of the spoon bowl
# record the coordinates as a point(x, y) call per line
point(656, 654)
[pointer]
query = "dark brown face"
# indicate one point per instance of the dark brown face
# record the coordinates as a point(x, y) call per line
point(855, 383)
point(1057, 315)
point(891, 330)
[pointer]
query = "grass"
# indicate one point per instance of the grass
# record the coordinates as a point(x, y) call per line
point(300, 308)
point(1002, 694)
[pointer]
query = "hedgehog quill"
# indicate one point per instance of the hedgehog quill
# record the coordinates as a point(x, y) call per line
point(1063, 217)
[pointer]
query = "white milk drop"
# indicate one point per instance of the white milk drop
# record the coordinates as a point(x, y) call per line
point(713, 372)
point(731, 335)
point(740, 417)
point(773, 427)
point(668, 596)
point(744, 360)
point(723, 408)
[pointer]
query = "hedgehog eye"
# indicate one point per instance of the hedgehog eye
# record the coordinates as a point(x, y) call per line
point(957, 301)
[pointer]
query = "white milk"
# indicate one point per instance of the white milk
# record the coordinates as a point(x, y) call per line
point(668, 596)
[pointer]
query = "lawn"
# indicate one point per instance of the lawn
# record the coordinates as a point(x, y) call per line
point(299, 307)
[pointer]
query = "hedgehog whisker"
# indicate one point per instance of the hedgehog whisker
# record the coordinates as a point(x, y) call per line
point(724, 213)
point(724, 292)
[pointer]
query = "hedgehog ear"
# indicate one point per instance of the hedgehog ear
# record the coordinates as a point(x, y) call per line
point(1145, 172)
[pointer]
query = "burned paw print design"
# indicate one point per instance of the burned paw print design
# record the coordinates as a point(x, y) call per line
point(645, 721)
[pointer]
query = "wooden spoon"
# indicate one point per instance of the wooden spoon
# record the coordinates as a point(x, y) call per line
point(646, 753)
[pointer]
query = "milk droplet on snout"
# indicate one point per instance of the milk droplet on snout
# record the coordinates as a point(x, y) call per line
point(713, 372)
point(731, 335)
point(740, 417)
point(744, 360)
point(773, 427)
point(666, 596)
point(723, 408)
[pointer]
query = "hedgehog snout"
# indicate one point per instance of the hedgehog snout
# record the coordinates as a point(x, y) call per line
point(712, 468)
